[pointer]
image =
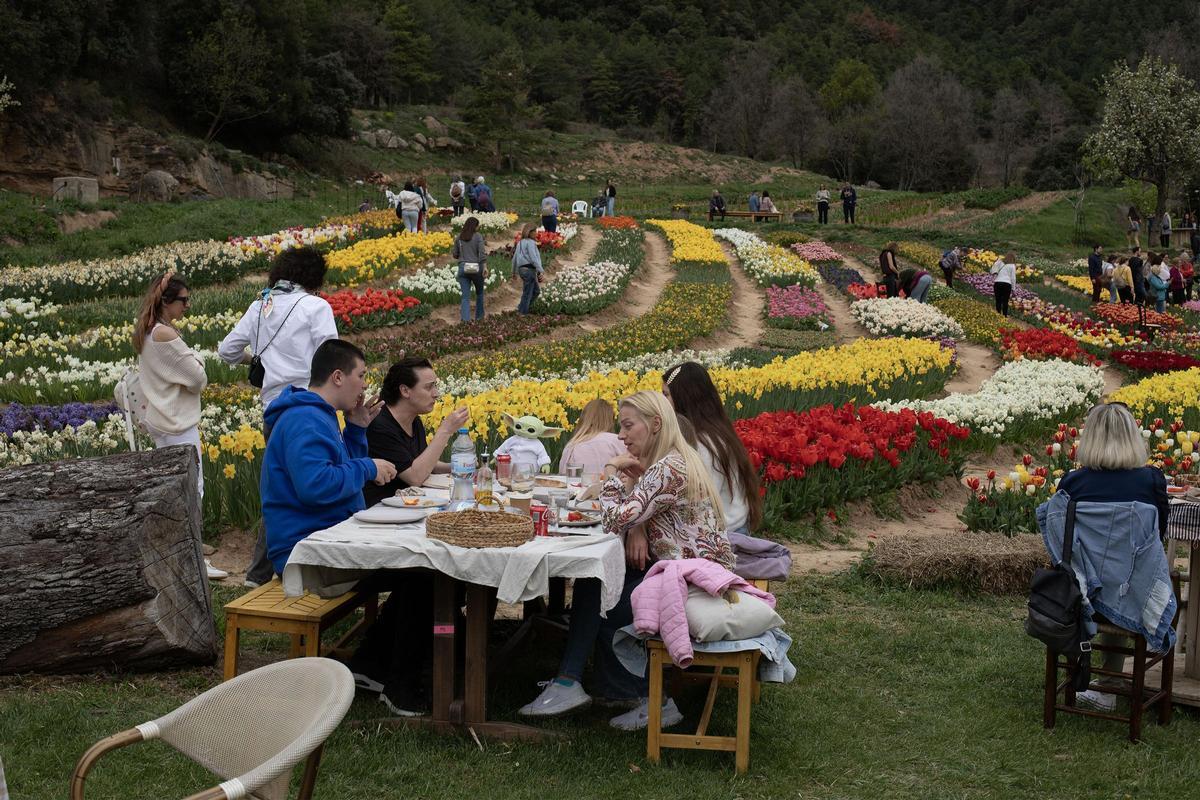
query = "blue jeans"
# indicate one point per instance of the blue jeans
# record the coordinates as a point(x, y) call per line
point(465, 282)
point(921, 291)
point(550, 222)
point(410, 220)
point(529, 288)
point(1160, 304)
point(589, 631)
point(611, 208)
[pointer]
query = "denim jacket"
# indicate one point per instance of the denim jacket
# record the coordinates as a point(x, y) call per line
point(1120, 563)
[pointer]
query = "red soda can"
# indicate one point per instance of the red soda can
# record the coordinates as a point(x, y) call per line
point(541, 522)
point(504, 469)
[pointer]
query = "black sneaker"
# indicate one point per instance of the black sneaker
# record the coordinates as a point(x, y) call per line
point(404, 701)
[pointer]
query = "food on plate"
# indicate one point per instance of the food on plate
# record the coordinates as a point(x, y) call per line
point(550, 483)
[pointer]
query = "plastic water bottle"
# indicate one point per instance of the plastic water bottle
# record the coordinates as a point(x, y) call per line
point(462, 467)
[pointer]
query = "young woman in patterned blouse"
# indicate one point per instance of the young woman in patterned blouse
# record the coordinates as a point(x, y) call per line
point(660, 500)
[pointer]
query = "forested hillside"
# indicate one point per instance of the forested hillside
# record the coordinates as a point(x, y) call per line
point(912, 93)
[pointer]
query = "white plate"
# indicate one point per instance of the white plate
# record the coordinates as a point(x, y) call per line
point(585, 506)
point(386, 515)
point(589, 521)
point(422, 502)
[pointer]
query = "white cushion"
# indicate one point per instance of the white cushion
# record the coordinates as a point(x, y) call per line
point(715, 619)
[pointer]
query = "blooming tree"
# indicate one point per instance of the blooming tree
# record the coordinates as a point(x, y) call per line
point(1148, 129)
point(6, 98)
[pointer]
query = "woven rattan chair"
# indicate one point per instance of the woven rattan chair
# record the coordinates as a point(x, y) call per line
point(250, 730)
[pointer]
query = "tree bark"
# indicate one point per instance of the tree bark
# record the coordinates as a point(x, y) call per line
point(102, 565)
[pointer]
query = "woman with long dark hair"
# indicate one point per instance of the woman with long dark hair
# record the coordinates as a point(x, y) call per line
point(692, 393)
point(471, 254)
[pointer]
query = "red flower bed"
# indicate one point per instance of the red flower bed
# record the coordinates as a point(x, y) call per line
point(865, 291)
point(373, 308)
point(822, 457)
point(1153, 360)
point(546, 240)
point(1127, 315)
point(1040, 344)
point(618, 222)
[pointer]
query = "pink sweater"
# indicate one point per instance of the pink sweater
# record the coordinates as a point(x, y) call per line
point(592, 454)
point(659, 601)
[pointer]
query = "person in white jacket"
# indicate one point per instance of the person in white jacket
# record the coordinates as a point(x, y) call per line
point(410, 207)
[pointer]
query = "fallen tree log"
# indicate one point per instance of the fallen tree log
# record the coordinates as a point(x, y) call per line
point(101, 565)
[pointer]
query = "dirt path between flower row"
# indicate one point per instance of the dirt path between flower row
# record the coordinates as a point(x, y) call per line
point(744, 325)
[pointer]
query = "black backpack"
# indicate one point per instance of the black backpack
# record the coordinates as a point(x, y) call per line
point(1056, 614)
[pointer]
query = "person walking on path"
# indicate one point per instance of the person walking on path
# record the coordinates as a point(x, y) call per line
point(1005, 270)
point(891, 273)
point(849, 201)
point(410, 207)
point(427, 204)
point(458, 191)
point(470, 252)
point(610, 192)
point(823, 205)
point(550, 212)
point(527, 263)
point(951, 262)
point(1096, 271)
point(716, 206)
point(1164, 230)
point(1133, 232)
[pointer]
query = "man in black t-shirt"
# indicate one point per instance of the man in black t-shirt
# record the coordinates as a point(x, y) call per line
point(398, 649)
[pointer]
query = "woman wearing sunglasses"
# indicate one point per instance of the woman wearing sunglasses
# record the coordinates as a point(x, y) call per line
point(171, 373)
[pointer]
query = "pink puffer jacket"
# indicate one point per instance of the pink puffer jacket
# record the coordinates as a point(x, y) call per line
point(659, 601)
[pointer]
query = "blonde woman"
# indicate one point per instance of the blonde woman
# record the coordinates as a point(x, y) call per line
point(658, 497)
point(593, 443)
point(1112, 457)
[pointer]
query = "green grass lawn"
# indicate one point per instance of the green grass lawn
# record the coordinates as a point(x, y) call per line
point(900, 694)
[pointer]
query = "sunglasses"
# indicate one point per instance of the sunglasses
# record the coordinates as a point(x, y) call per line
point(186, 299)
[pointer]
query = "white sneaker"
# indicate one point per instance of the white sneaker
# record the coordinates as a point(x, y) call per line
point(251, 584)
point(556, 699)
point(214, 574)
point(1100, 701)
point(639, 718)
point(365, 682)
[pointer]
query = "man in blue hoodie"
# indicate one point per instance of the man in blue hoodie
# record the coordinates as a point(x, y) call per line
point(312, 473)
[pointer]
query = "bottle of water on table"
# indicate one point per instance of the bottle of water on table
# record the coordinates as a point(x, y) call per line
point(462, 468)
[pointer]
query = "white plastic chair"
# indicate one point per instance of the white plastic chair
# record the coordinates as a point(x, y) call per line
point(250, 730)
point(581, 207)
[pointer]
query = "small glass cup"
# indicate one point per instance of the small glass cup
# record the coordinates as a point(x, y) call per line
point(574, 471)
point(522, 476)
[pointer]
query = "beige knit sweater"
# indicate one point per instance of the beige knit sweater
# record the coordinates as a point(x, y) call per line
point(172, 377)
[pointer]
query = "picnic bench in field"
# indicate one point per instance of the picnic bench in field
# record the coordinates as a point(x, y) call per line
point(758, 216)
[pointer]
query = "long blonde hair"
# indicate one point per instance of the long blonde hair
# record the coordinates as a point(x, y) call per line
point(597, 417)
point(652, 405)
point(1111, 439)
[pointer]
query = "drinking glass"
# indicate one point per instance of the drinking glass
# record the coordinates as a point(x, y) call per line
point(574, 471)
point(522, 476)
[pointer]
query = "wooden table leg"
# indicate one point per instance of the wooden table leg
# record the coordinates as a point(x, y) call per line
point(1191, 664)
point(444, 684)
point(479, 618)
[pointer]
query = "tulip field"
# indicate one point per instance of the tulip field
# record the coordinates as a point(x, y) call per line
point(825, 424)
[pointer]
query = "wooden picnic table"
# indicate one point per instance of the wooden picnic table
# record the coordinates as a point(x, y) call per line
point(331, 561)
point(1183, 525)
point(758, 216)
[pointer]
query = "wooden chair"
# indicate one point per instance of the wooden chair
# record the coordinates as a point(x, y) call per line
point(304, 618)
point(743, 676)
point(251, 731)
point(1141, 697)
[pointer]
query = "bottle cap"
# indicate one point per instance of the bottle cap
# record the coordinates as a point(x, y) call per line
point(462, 430)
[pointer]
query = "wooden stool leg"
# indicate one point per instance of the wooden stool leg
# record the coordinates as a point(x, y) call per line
point(1139, 689)
point(312, 641)
point(710, 700)
point(741, 758)
point(297, 647)
point(1166, 706)
point(1050, 693)
point(231, 646)
point(654, 722)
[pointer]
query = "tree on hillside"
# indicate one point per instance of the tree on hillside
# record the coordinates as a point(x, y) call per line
point(849, 97)
point(739, 108)
point(1010, 115)
point(6, 98)
point(603, 93)
point(927, 127)
point(222, 73)
point(1147, 132)
point(498, 112)
point(797, 126)
point(409, 60)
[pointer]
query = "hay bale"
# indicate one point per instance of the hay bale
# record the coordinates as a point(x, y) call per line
point(977, 562)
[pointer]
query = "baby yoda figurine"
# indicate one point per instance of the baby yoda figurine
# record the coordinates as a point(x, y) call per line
point(524, 444)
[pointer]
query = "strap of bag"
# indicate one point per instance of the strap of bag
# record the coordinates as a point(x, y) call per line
point(277, 330)
point(1069, 534)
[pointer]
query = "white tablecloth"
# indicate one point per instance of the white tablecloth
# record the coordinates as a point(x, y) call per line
point(329, 562)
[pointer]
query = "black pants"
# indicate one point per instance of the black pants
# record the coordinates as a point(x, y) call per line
point(1097, 290)
point(1139, 291)
point(458, 206)
point(398, 647)
point(1177, 296)
point(716, 213)
point(1165, 240)
point(823, 213)
point(949, 273)
point(1003, 292)
point(261, 570)
point(1126, 294)
point(848, 212)
point(893, 286)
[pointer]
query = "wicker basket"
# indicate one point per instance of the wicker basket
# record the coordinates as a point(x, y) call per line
point(474, 528)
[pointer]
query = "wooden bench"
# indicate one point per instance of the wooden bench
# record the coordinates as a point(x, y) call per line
point(743, 676)
point(304, 618)
point(758, 216)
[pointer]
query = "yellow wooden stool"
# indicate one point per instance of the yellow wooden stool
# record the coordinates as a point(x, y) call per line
point(304, 618)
